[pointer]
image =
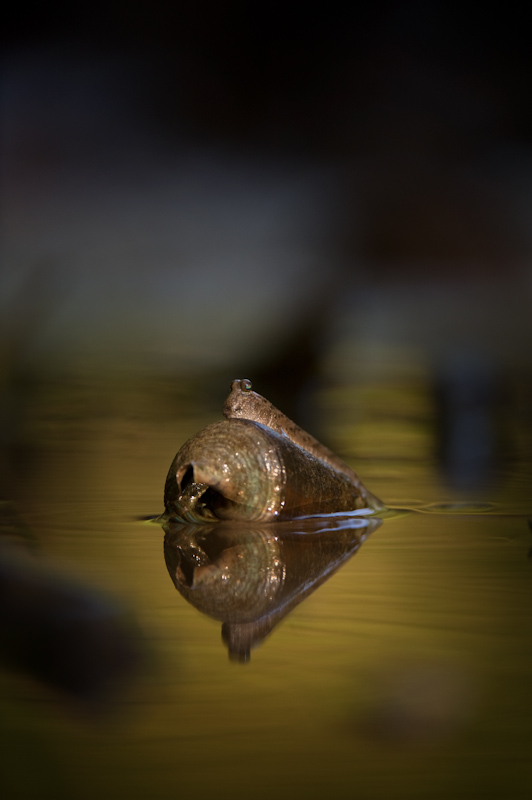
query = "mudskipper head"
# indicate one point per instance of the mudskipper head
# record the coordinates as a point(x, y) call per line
point(242, 400)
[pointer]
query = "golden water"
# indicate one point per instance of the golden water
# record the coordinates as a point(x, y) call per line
point(406, 675)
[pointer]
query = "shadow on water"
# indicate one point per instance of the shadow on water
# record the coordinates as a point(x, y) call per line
point(251, 576)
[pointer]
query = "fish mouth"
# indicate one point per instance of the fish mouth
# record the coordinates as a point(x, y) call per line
point(197, 500)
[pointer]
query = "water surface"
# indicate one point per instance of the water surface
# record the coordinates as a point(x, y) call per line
point(406, 674)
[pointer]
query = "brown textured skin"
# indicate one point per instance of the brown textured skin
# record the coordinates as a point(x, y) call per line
point(256, 474)
point(244, 403)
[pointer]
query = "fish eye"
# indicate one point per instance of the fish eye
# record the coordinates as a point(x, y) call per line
point(245, 385)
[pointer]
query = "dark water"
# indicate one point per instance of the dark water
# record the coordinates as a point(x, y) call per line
point(406, 674)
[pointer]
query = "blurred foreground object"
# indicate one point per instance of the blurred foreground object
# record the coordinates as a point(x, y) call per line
point(259, 465)
point(66, 635)
point(421, 702)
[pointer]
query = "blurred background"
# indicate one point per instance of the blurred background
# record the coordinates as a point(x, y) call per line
point(296, 195)
point(333, 200)
point(189, 186)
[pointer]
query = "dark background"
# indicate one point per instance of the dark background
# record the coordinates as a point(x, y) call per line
point(190, 186)
point(308, 76)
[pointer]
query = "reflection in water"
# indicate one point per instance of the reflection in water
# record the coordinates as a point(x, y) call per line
point(468, 406)
point(251, 577)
